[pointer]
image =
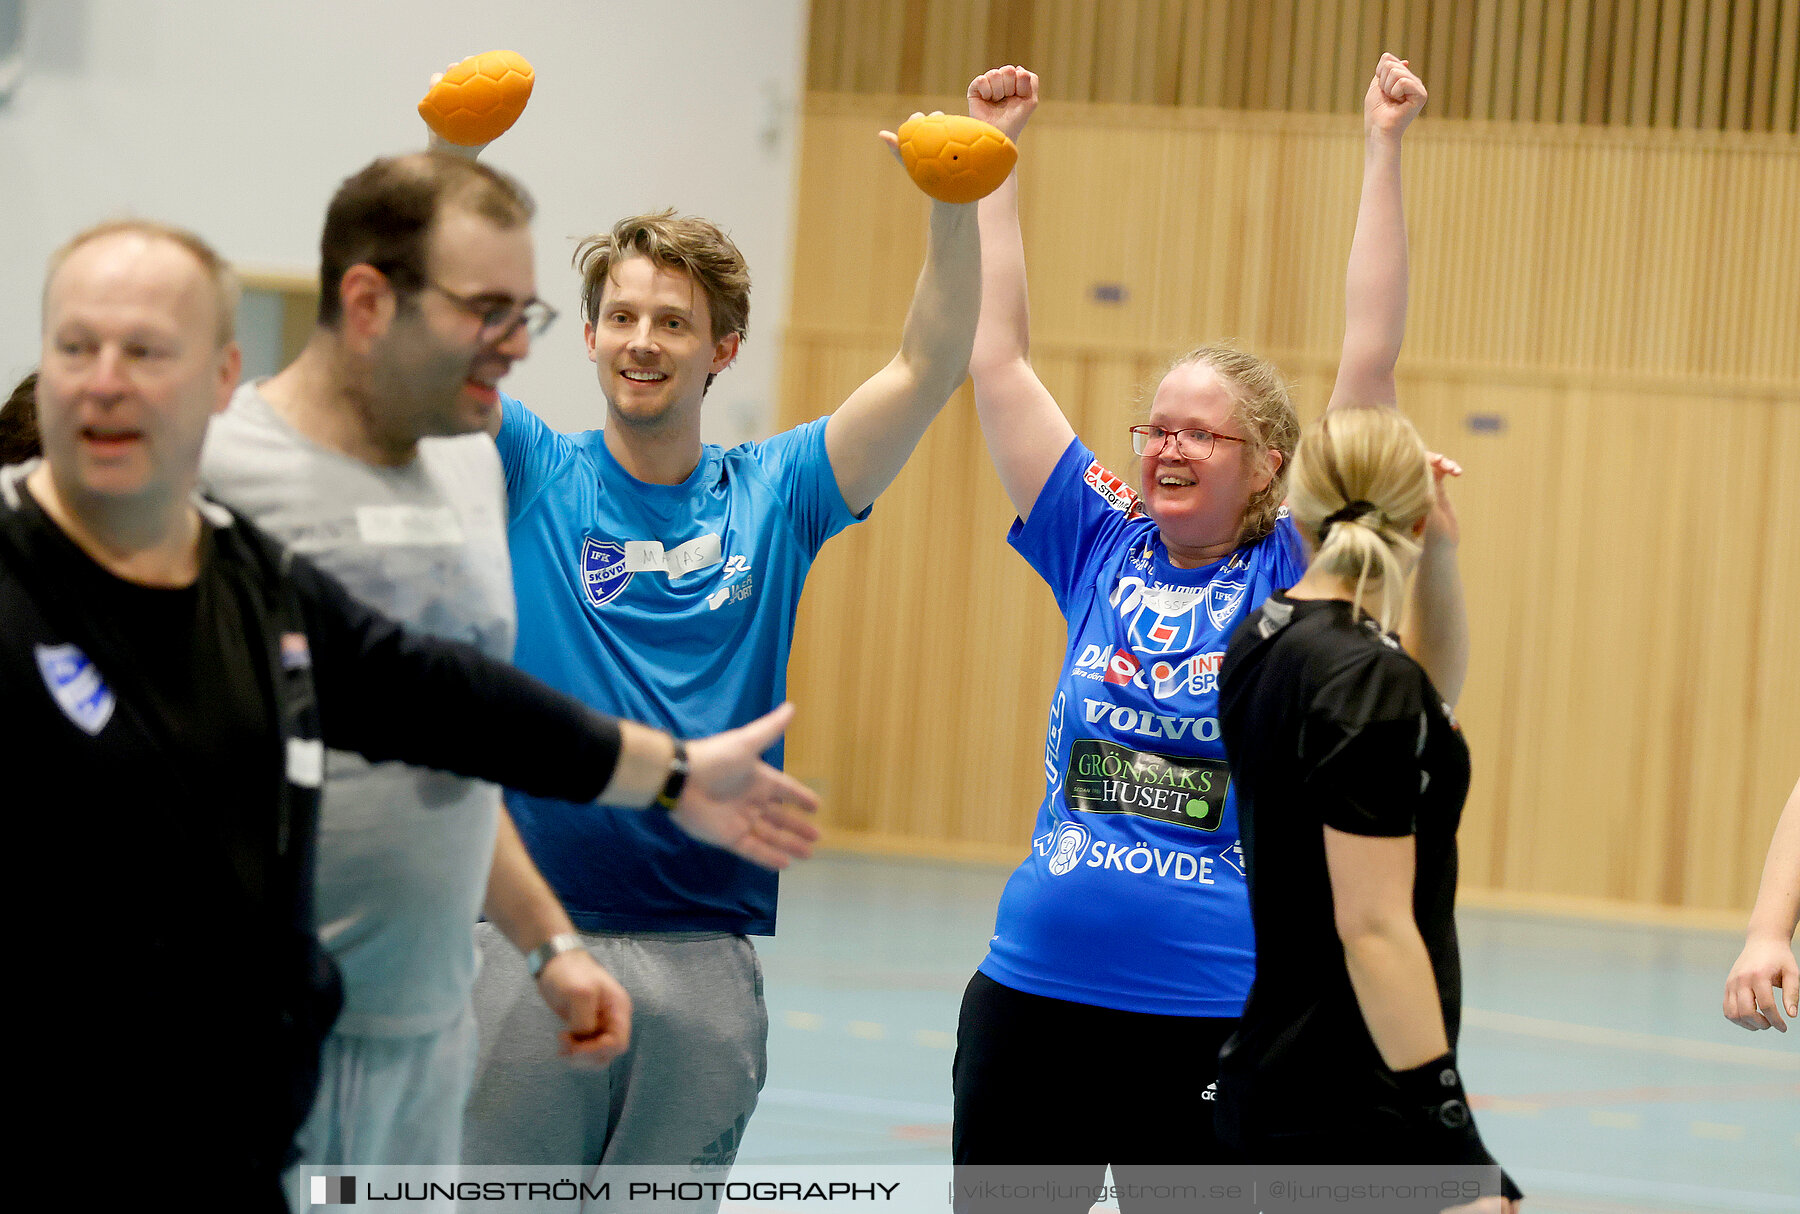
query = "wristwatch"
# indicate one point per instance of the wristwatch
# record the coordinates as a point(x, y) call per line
point(549, 950)
point(678, 774)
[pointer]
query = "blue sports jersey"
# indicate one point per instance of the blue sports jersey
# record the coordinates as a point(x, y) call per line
point(668, 604)
point(1133, 896)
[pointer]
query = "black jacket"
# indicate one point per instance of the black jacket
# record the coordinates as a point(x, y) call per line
point(152, 1038)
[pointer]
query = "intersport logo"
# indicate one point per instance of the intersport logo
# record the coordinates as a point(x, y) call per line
point(1195, 675)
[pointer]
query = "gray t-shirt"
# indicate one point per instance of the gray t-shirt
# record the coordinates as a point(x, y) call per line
point(403, 852)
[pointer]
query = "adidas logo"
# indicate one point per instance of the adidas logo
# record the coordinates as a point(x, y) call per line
point(722, 1151)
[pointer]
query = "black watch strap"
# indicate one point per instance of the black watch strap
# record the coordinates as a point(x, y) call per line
point(678, 776)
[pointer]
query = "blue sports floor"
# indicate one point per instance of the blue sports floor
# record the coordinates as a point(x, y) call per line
point(1603, 1074)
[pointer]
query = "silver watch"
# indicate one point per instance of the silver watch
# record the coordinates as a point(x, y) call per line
point(555, 946)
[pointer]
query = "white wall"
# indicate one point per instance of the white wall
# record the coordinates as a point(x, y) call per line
point(238, 119)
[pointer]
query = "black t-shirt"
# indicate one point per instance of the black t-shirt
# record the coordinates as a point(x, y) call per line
point(1328, 722)
point(199, 685)
point(173, 889)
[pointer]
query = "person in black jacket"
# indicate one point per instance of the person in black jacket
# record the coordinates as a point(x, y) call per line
point(173, 677)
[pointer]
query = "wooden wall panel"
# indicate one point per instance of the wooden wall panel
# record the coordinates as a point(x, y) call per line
point(1532, 247)
point(1690, 64)
point(1769, 737)
point(1602, 332)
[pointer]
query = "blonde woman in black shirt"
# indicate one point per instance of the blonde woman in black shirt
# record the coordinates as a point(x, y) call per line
point(1351, 775)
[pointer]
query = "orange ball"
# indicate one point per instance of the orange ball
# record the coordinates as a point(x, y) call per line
point(479, 98)
point(955, 158)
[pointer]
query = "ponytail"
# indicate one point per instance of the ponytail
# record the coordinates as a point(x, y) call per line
point(1360, 484)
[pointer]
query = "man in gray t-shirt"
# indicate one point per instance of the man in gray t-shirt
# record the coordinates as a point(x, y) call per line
point(403, 852)
point(350, 456)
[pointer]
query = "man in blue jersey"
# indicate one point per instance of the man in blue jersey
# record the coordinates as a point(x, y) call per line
point(659, 576)
point(367, 455)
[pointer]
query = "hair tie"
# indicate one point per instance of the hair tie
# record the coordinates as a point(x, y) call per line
point(1350, 513)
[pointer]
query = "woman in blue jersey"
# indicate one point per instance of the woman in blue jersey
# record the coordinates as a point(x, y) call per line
point(1122, 949)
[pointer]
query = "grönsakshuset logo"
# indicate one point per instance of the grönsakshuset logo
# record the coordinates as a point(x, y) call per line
point(1106, 778)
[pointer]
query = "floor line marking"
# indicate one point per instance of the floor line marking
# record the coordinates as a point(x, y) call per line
point(1615, 1187)
point(1621, 1039)
point(837, 1102)
point(1721, 1131)
point(1692, 1094)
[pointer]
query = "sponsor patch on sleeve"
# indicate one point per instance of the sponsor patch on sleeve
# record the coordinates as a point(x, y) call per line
point(1113, 491)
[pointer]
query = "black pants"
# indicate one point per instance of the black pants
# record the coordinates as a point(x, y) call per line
point(1069, 1088)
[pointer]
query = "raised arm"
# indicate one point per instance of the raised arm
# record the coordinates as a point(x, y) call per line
point(874, 431)
point(1765, 977)
point(1435, 625)
point(1375, 285)
point(1026, 432)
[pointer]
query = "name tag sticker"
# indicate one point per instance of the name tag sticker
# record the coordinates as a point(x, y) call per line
point(1170, 601)
point(305, 762)
point(408, 525)
point(649, 556)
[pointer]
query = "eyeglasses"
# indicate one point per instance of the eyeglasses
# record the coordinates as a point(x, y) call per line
point(1194, 443)
point(501, 318)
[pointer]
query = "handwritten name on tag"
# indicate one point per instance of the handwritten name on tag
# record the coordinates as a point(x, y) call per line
point(649, 556)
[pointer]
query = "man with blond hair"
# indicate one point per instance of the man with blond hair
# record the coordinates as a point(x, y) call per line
point(660, 575)
point(176, 676)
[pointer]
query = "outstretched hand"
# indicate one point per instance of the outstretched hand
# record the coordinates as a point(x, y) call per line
point(736, 801)
point(1004, 97)
point(1395, 97)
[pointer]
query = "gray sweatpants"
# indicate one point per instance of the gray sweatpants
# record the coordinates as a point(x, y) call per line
point(681, 1095)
